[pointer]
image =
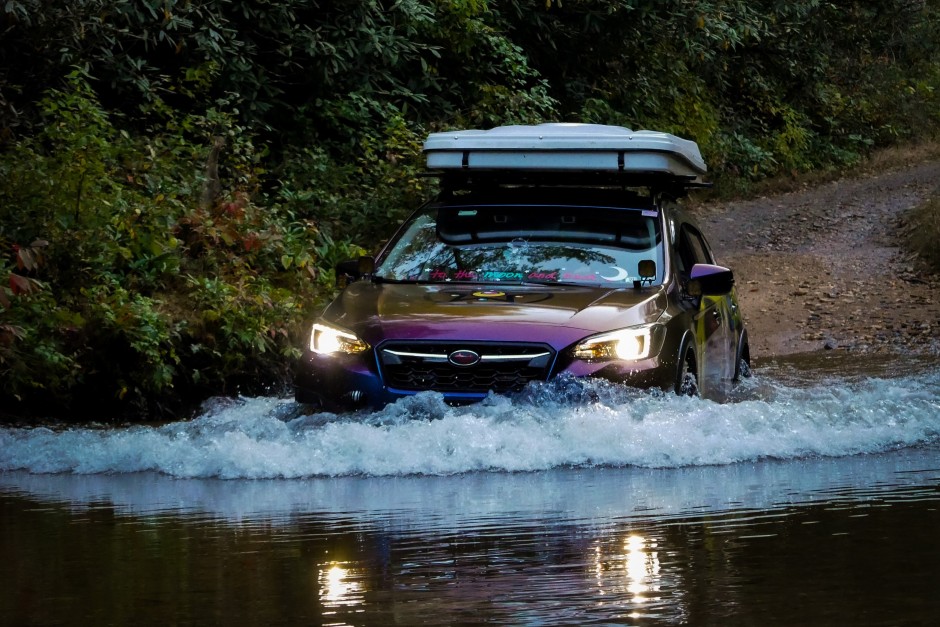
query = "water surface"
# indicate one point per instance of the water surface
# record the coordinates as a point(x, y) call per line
point(813, 499)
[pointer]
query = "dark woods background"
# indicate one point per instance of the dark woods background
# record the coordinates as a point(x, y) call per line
point(178, 177)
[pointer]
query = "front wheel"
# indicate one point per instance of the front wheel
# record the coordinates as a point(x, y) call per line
point(742, 369)
point(687, 379)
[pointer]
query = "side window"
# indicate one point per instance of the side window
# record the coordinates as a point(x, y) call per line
point(692, 249)
point(697, 244)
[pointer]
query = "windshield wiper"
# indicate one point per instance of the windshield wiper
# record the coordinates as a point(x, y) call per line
point(381, 279)
point(554, 282)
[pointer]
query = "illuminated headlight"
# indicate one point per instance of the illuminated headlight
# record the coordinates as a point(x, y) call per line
point(627, 344)
point(324, 339)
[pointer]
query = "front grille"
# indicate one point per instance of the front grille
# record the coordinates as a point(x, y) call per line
point(503, 366)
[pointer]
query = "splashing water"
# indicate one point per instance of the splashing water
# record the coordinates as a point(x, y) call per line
point(568, 423)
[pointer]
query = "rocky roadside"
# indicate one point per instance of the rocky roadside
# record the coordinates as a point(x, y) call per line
point(822, 268)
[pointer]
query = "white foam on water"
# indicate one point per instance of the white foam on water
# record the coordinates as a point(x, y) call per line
point(584, 424)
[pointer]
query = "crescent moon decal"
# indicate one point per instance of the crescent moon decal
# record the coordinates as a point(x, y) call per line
point(620, 276)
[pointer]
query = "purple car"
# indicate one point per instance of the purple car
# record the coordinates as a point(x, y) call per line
point(553, 250)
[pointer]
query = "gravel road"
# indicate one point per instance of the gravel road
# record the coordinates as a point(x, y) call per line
point(822, 268)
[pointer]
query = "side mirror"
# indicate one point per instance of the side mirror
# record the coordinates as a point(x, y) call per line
point(353, 269)
point(710, 280)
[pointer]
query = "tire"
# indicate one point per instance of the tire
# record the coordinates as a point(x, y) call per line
point(687, 376)
point(742, 369)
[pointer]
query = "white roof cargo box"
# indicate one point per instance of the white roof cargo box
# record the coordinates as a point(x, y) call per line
point(565, 148)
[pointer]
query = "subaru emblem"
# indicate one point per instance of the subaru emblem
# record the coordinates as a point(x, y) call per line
point(463, 358)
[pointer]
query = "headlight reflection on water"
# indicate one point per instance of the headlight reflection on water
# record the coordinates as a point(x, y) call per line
point(634, 577)
point(338, 589)
point(642, 566)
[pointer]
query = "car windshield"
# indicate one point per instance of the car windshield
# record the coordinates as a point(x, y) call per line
point(548, 244)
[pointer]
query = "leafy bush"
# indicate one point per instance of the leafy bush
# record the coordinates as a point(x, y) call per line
point(137, 290)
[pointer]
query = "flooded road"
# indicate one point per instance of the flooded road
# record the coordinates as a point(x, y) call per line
point(813, 499)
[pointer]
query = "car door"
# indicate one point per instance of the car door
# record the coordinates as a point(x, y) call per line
point(712, 322)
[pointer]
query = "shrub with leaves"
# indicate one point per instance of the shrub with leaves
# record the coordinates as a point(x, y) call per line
point(127, 288)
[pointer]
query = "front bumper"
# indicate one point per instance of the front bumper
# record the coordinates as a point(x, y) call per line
point(346, 382)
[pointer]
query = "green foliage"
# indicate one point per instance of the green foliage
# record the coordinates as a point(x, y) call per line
point(127, 285)
point(765, 87)
point(334, 69)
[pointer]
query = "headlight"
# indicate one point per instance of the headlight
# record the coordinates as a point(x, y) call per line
point(324, 339)
point(628, 344)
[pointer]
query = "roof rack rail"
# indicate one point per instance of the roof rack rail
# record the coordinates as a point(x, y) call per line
point(655, 182)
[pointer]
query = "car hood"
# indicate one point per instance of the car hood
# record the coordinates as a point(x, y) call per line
point(555, 314)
